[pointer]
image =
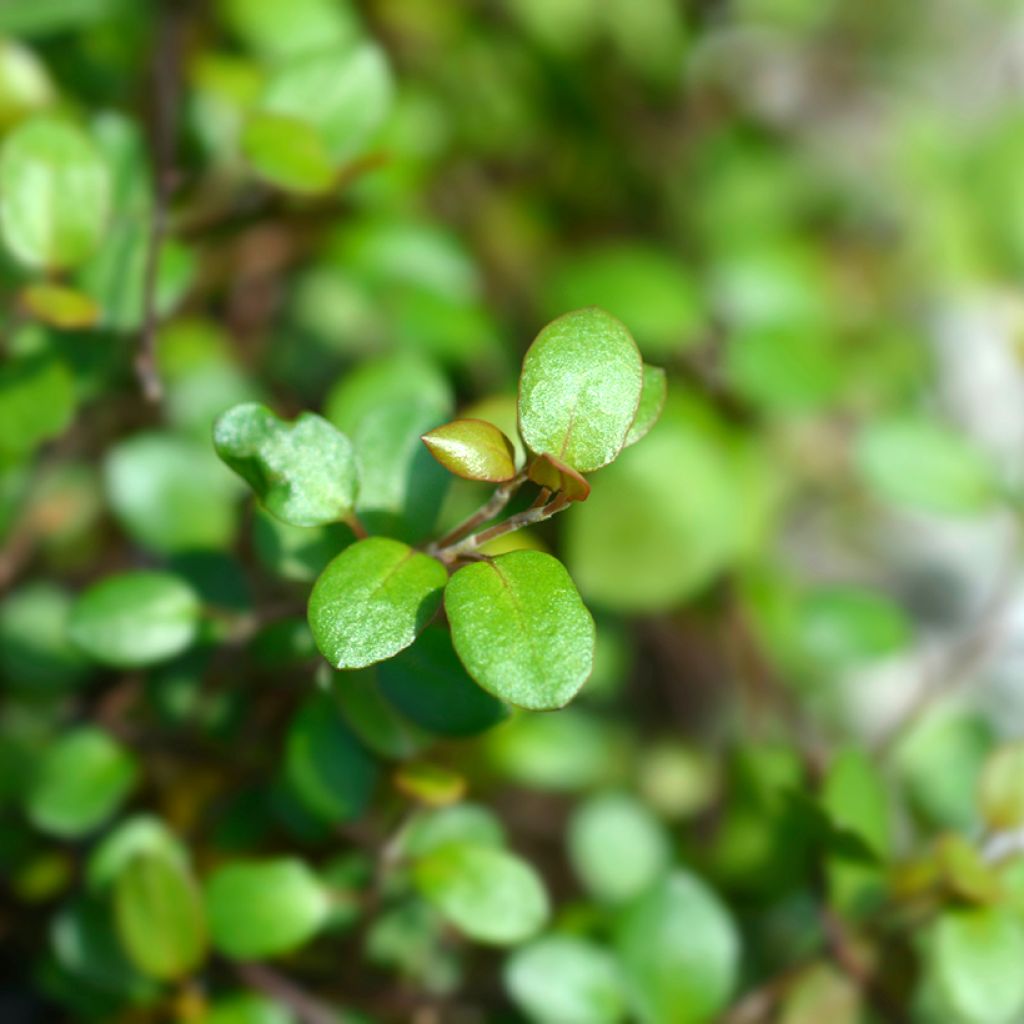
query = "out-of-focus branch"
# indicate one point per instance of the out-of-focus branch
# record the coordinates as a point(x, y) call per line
point(167, 57)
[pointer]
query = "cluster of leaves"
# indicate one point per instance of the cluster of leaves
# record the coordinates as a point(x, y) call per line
point(304, 755)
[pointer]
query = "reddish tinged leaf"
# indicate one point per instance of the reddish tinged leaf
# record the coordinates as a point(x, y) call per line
point(473, 449)
point(549, 472)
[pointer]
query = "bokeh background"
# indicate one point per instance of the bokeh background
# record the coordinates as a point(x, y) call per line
point(806, 579)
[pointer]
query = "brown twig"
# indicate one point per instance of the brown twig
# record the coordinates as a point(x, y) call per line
point(501, 497)
point(166, 84)
point(528, 517)
point(307, 1008)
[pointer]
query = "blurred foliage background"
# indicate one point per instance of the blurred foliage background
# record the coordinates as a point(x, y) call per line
point(793, 789)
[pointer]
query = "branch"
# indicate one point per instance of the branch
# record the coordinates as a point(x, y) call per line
point(528, 517)
point(307, 1008)
point(166, 82)
point(493, 507)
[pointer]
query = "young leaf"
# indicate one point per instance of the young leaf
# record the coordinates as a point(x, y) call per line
point(54, 193)
point(264, 908)
point(430, 784)
point(490, 895)
point(304, 472)
point(287, 152)
point(652, 401)
point(429, 685)
point(521, 630)
point(81, 781)
point(680, 952)
point(160, 916)
point(580, 389)
point(60, 306)
point(135, 619)
point(549, 472)
point(561, 979)
point(373, 600)
point(473, 449)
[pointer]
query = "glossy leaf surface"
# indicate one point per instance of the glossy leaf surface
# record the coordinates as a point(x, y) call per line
point(580, 389)
point(373, 600)
point(521, 630)
point(473, 449)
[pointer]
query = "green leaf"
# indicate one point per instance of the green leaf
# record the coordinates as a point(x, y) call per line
point(521, 630)
point(385, 406)
point(304, 472)
point(37, 402)
point(472, 449)
point(679, 950)
point(297, 552)
point(822, 993)
point(81, 781)
point(141, 835)
point(1001, 788)
point(844, 626)
point(430, 784)
point(170, 493)
point(461, 823)
point(925, 465)
point(644, 287)
point(977, 956)
point(373, 600)
point(580, 389)
point(344, 92)
point(652, 401)
point(617, 847)
point(330, 771)
point(287, 152)
point(36, 656)
point(54, 193)
point(264, 908)
point(25, 83)
point(429, 685)
point(285, 28)
point(560, 979)
point(60, 306)
point(247, 1008)
point(490, 895)
point(695, 495)
point(135, 619)
point(381, 728)
point(160, 916)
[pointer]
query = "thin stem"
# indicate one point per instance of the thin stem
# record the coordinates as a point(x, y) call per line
point(166, 75)
point(355, 524)
point(528, 517)
point(501, 497)
point(306, 1007)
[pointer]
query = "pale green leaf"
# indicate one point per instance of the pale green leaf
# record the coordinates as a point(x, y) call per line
point(288, 152)
point(652, 401)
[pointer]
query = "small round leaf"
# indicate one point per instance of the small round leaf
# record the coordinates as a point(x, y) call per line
point(487, 893)
point(1002, 787)
point(264, 908)
point(287, 152)
point(304, 472)
point(580, 389)
point(680, 953)
point(373, 600)
point(521, 630)
point(160, 916)
point(55, 190)
point(135, 619)
point(560, 979)
point(82, 780)
point(473, 449)
point(60, 306)
point(652, 401)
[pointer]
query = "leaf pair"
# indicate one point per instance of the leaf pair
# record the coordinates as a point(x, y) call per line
point(518, 624)
point(584, 395)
